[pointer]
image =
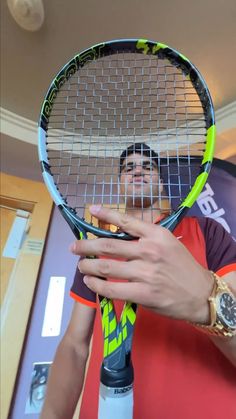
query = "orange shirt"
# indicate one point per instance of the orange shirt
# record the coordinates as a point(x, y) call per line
point(179, 373)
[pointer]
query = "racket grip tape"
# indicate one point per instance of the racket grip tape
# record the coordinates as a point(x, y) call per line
point(116, 393)
point(115, 403)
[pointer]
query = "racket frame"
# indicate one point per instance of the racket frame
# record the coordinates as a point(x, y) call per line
point(123, 376)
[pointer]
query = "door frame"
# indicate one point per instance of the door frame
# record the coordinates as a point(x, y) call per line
point(31, 196)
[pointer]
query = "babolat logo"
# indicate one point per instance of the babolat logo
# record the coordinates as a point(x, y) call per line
point(209, 207)
point(122, 390)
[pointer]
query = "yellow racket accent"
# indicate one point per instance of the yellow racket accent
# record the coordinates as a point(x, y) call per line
point(210, 144)
point(195, 191)
point(109, 324)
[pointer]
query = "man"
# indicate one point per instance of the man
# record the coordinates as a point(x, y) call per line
point(181, 369)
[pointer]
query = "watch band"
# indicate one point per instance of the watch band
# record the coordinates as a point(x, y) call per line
point(217, 327)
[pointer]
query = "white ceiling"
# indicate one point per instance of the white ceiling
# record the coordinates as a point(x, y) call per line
point(203, 30)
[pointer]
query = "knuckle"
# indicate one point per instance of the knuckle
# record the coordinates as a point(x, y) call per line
point(152, 255)
point(125, 220)
point(104, 268)
point(107, 246)
point(150, 251)
point(109, 290)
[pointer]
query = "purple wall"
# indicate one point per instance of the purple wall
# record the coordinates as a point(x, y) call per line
point(57, 261)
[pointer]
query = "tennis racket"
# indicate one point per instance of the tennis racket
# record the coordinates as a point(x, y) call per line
point(104, 100)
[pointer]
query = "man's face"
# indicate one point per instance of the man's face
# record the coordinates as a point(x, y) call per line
point(140, 184)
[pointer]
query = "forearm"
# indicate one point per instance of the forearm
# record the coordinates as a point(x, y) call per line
point(65, 381)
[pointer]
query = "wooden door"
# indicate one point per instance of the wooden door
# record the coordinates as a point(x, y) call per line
point(19, 275)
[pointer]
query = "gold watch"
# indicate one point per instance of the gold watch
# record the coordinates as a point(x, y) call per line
point(222, 311)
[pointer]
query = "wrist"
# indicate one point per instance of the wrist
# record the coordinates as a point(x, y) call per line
point(202, 313)
point(222, 307)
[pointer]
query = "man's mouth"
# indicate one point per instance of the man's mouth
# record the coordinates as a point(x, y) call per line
point(138, 181)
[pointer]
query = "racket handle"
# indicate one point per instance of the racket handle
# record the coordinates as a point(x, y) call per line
point(115, 403)
point(116, 393)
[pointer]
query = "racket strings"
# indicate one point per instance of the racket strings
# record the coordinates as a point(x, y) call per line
point(110, 104)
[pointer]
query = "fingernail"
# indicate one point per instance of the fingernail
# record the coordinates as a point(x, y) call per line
point(86, 281)
point(72, 248)
point(94, 209)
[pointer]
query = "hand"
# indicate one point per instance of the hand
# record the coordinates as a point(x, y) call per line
point(161, 273)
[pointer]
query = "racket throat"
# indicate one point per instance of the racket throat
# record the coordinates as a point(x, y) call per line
point(73, 221)
point(171, 222)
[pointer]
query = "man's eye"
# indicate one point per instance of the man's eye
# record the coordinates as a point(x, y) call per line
point(129, 168)
point(147, 167)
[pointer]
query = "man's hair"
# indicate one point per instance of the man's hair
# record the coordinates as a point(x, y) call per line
point(139, 148)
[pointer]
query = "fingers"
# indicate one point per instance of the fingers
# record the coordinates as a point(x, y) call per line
point(127, 224)
point(106, 247)
point(116, 290)
point(107, 268)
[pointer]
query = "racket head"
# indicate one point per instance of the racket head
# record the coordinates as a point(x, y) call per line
point(109, 97)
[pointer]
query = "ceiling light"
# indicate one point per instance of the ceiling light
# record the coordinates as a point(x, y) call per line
point(29, 14)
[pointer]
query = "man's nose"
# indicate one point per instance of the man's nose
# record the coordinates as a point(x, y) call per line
point(138, 170)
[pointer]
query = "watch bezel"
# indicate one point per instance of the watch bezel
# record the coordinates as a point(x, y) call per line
point(219, 310)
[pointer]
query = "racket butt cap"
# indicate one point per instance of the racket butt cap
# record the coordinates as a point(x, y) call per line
point(117, 378)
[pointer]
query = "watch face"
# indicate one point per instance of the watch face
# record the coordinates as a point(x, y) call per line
point(226, 309)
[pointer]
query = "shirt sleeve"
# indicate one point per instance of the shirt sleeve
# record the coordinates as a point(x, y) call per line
point(220, 246)
point(80, 292)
